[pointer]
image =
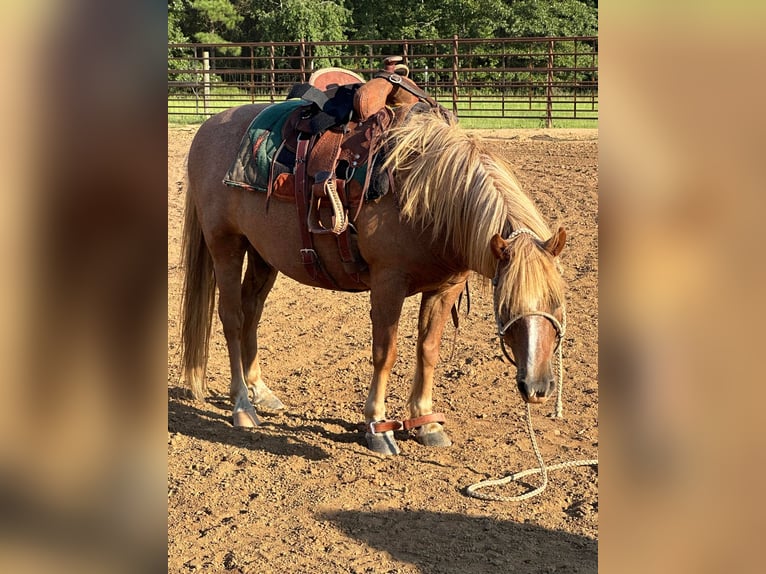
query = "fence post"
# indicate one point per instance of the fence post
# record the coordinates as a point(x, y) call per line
point(370, 64)
point(576, 82)
point(454, 74)
point(303, 60)
point(549, 88)
point(272, 76)
point(252, 75)
point(193, 65)
point(205, 79)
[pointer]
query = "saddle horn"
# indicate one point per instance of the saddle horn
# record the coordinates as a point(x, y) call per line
point(393, 65)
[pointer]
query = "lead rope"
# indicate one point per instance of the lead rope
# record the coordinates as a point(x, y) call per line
point(542, 469)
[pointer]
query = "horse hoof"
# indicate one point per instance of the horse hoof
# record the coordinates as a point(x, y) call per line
point(271, 404)
point(246, 418)
point(266, 400)
point(434, 438)
point(382, 442)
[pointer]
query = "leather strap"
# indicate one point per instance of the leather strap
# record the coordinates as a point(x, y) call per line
point(407, 85)
point(424, 420)
point(352, 264)
point(381, 426)
point(309, 256)
point(322, 168)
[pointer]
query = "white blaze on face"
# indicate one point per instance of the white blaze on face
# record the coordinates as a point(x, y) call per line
point(533, 339)
point(536, 333)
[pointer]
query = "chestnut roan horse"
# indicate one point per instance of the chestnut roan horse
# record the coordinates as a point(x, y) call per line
point(454, 207)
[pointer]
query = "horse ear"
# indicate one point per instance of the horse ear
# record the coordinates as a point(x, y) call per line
point(497, 244)
point(556, 243)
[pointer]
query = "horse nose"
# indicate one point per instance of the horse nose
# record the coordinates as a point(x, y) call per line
point(536, 391)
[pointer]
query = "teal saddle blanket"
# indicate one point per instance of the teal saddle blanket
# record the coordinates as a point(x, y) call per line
point(262, 155)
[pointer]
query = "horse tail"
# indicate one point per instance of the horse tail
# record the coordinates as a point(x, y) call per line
point(197, 301)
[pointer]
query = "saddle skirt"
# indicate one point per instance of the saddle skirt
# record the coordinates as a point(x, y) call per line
point(261, 147)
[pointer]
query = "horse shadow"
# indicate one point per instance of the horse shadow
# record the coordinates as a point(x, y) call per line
point(194, 420)
point(447, 543)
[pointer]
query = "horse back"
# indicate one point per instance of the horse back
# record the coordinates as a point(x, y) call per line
point(218, 138)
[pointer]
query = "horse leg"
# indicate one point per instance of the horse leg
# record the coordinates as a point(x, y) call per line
point(386, 300)
point(228, 255)
point(435, 308)
point(256, 285)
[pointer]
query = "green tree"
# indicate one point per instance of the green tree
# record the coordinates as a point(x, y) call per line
point(472, 18)
point(337, 20)
point(292, 20)
point(176, 12)
point(534, 18)
point(427, 19)
point(212, 19)
point(295, 20)
point(178, 58)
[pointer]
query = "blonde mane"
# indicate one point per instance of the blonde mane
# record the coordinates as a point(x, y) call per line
point(451, 181)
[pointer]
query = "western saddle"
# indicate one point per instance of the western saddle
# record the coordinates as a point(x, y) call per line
point(339, 131)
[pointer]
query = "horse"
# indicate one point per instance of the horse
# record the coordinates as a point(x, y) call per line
point(454, 208)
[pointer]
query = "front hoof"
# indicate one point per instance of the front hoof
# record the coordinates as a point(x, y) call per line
point(382, 442)
point(266, 400)
point(433, 438)
point(245, 418)
point(271, 404)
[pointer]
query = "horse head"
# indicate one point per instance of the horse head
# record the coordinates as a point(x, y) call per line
point(529, 307)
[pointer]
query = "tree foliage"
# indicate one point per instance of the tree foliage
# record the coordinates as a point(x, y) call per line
point(176, 11)
point(536, 18)
point(213, 18)
point(291, 20)
point(426, 19)
point(338, 20)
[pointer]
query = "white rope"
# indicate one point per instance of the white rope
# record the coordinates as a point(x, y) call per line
point(560, 367)
point(521, 230)
point(472, 490)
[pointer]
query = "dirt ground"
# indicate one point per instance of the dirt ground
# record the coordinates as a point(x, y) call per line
point(303, 494)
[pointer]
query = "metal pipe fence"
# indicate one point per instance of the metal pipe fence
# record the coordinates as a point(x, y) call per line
point(539, 79)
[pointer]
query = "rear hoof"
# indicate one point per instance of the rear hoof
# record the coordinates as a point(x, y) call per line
point(382, 442)
point(266, 400)
point(434, 438)
point(245, 418)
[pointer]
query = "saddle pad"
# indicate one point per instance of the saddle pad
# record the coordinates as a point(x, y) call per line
point(260, 143)
point(263, 139)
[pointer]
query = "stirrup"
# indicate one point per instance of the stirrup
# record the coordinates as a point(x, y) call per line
point(339, 217)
